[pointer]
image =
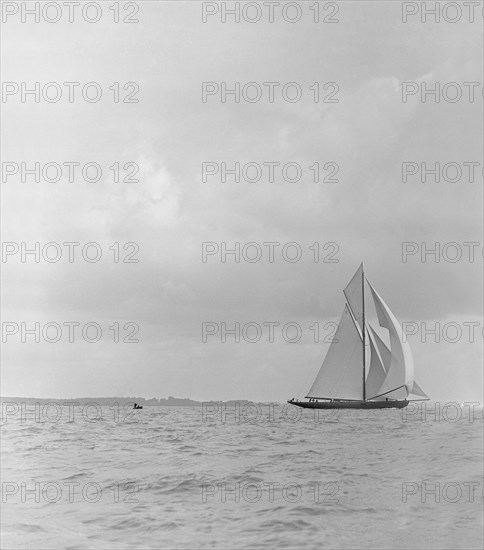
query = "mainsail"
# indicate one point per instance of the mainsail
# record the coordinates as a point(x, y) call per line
point(340, 374)
point(343, 372)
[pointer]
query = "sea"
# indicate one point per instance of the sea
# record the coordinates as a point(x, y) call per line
point(242, 476)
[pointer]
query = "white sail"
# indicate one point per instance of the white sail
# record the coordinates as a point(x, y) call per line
point(354, 295)
point(385, 353)
point(418, 391)
point(376, 372)
point(341, 374)
point(399, 377)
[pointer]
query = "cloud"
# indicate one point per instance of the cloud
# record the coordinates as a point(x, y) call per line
point(368, 213)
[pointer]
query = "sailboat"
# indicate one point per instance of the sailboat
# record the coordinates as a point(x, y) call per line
point(352, 377)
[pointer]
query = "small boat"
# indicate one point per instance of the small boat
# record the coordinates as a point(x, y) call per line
point(352, 377)
point(136, 406)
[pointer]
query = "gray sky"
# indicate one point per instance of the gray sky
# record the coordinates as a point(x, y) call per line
point(170, 212)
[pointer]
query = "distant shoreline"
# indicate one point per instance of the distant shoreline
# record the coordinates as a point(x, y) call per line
point(153, 402)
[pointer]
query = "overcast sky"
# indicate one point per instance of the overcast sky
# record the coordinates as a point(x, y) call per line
point(170, 132)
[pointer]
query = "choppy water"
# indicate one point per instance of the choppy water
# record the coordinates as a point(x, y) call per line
point(335, 482)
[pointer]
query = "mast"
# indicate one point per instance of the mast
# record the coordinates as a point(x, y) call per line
point(363, 327)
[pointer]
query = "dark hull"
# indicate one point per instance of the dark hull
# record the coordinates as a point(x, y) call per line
point(350, 404)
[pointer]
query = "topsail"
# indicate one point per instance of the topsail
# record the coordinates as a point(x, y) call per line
point(354, 295)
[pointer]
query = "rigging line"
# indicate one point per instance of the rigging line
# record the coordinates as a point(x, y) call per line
point(363, 328)
point(389, 391)
point(353, 318)
point(305, 382)
point(428, 399)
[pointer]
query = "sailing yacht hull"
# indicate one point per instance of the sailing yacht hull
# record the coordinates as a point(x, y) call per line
point(393, 404)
